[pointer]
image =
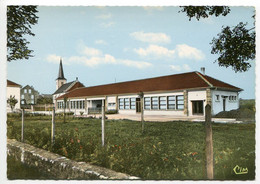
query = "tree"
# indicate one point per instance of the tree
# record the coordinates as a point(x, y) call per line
point(44, 100)
point(19, 22)
point(65, 99)
point(12, 101)
point(235, 45)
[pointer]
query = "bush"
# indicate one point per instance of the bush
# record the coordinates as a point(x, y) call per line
point(240, 114)
point(111, 112)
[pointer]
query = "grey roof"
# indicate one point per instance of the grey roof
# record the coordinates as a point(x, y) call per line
point(63, 88)
point(61, 74)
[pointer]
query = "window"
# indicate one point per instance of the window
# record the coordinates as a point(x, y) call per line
point(171, 102)
point(132, 103)
point(180, 102)
point(217, 97)
point(121, 103)
point(25, 90)
point(83, 104)
point(147, 103)
point(22, 96)
point(154, 102)
point(127, 103)
point(30, 91)
point(32, 97)
point(32, 101)
point(74, 104)
point(162, 101)
point(111, 104)
point(22, 102)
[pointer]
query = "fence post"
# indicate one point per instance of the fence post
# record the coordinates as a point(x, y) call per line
point(209, 143)
point(103, 123)
point(22, 138)
point(53, 126)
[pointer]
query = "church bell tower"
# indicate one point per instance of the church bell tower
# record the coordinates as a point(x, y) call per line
point(61, 79)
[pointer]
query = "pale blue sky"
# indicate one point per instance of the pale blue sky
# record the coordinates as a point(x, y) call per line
point(101, 44)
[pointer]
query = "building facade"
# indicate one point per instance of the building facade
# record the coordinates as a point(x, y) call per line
point(29, 95)
point(179, 95)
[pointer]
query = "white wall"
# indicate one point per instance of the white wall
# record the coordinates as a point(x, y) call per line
point(196, 95)
point(14, 91)
point(217, 105)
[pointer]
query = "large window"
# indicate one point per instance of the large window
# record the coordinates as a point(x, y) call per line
point(132, 103)
point(180, 102)
point(127, 103)
point(121, 103)
point(147, 103)
point(154, 102)
point(171, 102)
point(162, 101)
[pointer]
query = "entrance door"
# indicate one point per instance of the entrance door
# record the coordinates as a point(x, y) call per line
point(138, 105)
point(224, 104)
point(197, 107)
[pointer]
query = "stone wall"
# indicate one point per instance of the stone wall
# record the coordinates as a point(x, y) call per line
point(60, 167)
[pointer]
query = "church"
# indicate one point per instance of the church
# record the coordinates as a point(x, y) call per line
point(180, 95)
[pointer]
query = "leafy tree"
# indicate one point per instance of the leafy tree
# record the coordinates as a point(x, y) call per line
point(44, 100)
point(19, 22)
point(12, 101)
point(235, 46)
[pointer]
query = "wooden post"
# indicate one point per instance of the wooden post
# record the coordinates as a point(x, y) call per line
point(209, 143)
point(53, 126)
point(103, 123)
point(142, 113)
point(22, 138)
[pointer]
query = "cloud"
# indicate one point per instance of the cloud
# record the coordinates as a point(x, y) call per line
point(181, 51)
point(107, 24)
point(104, 16)
point(188, 52)
point(155, 51)
point(91, 51)
point(179, 68)
point(52, 58)
point(100, 42)
point(92, 57)
point(155, 38)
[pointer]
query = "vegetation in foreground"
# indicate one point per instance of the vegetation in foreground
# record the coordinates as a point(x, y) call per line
point(167, 150)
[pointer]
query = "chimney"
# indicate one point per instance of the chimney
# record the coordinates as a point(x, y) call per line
point(202, 69)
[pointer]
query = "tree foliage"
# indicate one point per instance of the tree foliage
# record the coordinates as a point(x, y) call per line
point(19, 22)
point(44, 100)
point(12, 101)
point(235, 46)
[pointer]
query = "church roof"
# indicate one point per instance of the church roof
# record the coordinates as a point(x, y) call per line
point(68, 86)
point(191, 80)
point(61, 73)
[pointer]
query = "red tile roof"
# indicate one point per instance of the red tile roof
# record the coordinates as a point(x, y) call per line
point(12, 84)
point(182, 81)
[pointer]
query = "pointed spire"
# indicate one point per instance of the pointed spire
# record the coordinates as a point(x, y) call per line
point(61, 74)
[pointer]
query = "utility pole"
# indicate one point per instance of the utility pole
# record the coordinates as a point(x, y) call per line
point(209, 143)
point(53, 126)
point(103, 122)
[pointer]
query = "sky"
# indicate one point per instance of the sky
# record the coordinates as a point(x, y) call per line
point(107, 44)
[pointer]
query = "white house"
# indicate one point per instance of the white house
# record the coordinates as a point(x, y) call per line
point(13, 89)
point(183, 94)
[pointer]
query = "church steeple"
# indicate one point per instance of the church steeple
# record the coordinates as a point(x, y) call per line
point(61, 79)
point(61, 74)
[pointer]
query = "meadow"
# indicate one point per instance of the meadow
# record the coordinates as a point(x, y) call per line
point(165, 151)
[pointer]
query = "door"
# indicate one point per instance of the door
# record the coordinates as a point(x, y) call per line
point(138, 105)
point(197, 107)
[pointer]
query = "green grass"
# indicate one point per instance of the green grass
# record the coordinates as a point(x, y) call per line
point(167, 150)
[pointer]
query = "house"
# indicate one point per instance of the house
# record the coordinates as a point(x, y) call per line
point(29, 96)
point(62, 87)
point(183, 94)
point(13, 89)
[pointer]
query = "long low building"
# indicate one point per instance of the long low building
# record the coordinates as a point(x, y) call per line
point(183, 94)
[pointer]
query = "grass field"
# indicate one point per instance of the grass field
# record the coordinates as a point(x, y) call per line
point(167, 150)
